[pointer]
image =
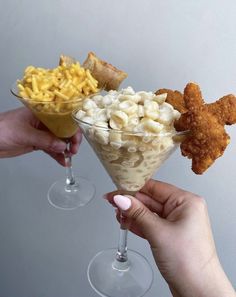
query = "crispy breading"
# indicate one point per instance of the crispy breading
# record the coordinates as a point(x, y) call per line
point(206, 141)
point(224, 109)
point(184, 122)
point(175, 98)
point(207, 138)
point(108, 76)
point(192, 96)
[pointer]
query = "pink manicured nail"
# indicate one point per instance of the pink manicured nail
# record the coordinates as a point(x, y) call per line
point(122, 202)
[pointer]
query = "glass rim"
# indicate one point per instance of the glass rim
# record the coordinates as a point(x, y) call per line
point(140, 133)
point(14, 91)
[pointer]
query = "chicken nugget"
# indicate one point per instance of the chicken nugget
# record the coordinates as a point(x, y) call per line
point(206, 139)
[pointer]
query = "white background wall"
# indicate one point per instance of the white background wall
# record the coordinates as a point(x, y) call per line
point(44, 251)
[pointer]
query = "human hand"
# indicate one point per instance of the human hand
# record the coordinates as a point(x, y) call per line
point(21, 132)
point(176, 224)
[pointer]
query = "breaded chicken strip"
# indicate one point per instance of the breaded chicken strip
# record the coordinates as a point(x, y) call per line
point(206, 141)
point(207, 138)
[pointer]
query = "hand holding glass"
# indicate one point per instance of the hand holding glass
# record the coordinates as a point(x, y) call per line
point(71, 192)
point(112, 272)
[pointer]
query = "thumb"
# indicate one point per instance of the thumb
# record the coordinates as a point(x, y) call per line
point(45, 140)
point(145, 220)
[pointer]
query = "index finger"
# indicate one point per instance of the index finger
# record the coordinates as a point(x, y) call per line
point(75, 142)
point(159, 191)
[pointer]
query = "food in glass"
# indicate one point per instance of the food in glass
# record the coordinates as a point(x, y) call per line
point(132, 134)
point(52, 94)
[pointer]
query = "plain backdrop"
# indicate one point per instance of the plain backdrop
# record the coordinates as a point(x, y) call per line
point(44, 252)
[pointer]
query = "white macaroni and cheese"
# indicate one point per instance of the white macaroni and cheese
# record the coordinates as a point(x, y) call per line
point(132, 133)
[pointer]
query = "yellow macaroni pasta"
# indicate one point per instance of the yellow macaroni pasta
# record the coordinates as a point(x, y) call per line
point(56, 89)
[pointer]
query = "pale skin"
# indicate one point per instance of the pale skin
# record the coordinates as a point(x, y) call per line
point(21, 132)
point(176, 224)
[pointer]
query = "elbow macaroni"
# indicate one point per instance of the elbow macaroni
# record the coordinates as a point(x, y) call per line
point(57, 89)
point(52, 94)
point(128, 133)
point(118, 120)
point(129, 111)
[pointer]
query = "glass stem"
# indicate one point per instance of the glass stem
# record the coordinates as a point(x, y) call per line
point(121, 261)
point(70, 180)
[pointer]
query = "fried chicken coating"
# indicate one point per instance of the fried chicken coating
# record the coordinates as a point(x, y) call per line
point(207, 138)
point(206, 141)
point(175, 98)
point(192, 96)
point(224, 109)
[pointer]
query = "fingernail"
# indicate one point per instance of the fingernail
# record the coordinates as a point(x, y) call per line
point(122, 202)
point(58, 146)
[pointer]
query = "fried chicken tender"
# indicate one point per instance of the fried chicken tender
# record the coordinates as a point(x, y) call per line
point(206, 141)
point(175, 98)
point(207, 138)
point(108, 76)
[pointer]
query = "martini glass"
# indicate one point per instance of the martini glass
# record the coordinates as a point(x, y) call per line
point(70, 192)
point(130, 159)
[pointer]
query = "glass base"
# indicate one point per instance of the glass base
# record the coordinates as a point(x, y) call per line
point(63, 197)
point(111, 278)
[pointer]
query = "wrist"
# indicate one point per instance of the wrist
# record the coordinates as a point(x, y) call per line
point(211, 281)
point(1, 130)
point(3, 139)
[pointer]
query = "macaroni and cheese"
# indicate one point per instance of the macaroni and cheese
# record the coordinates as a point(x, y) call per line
point(132, 133)
point(52, 94)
